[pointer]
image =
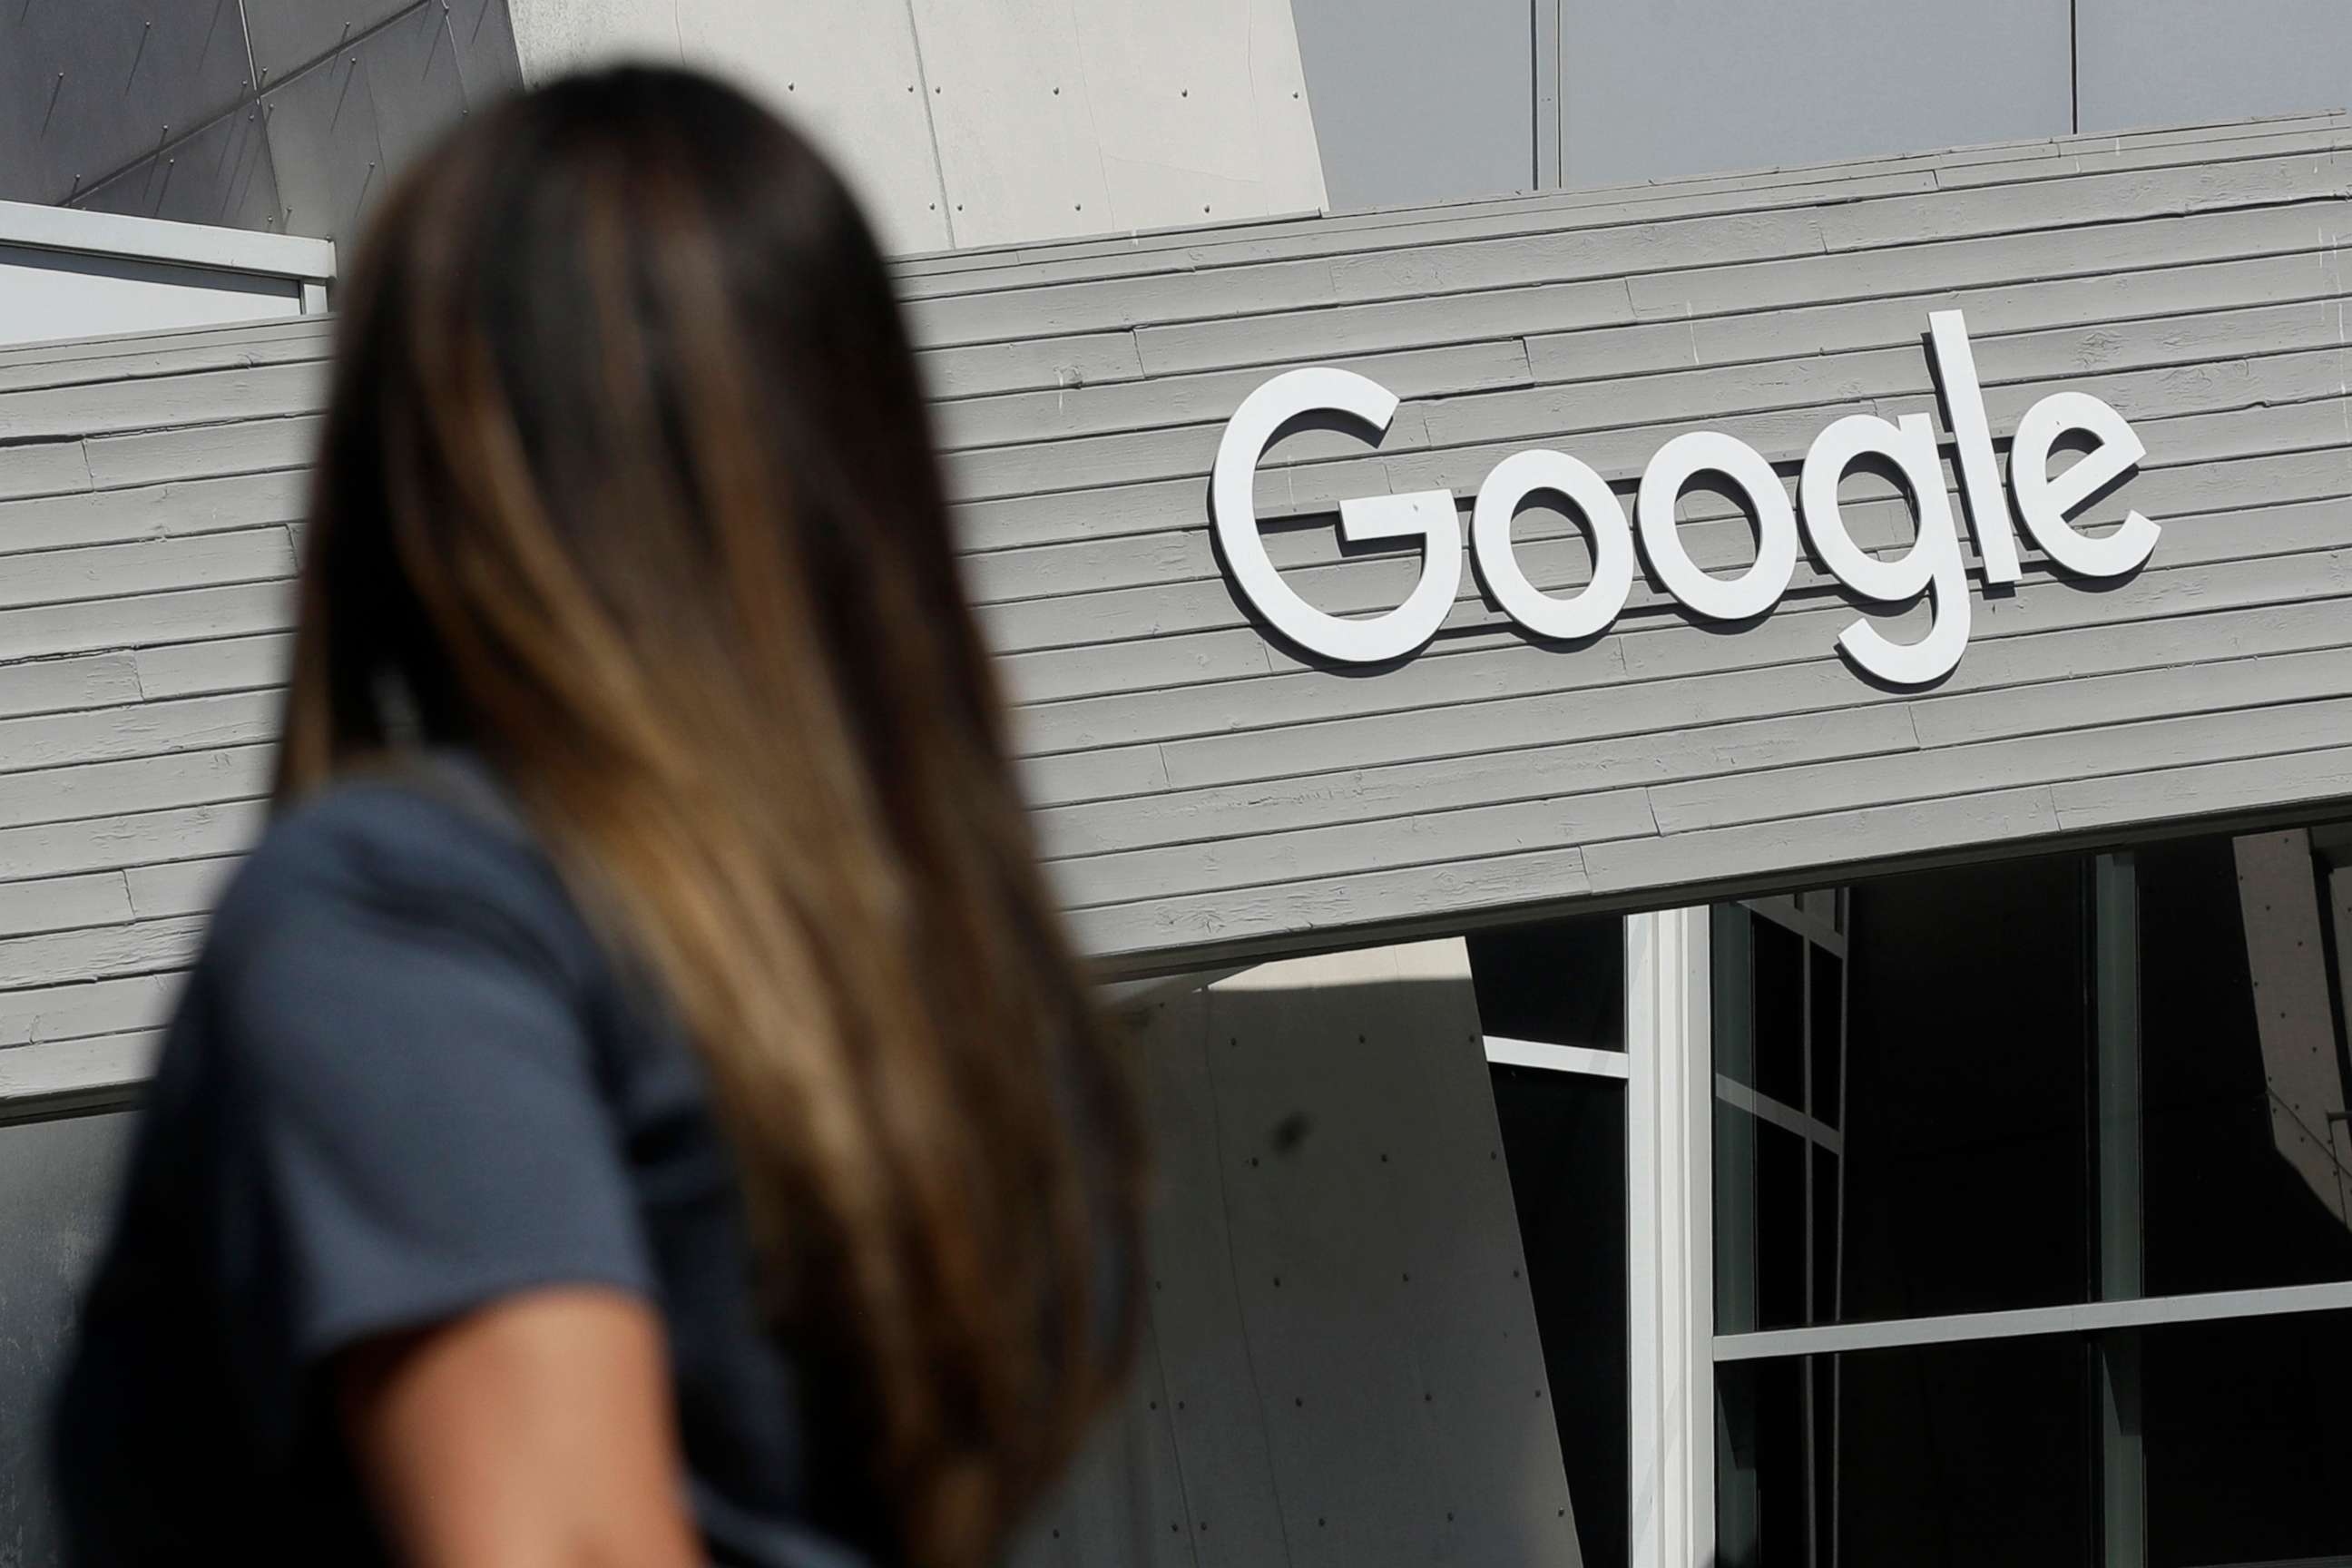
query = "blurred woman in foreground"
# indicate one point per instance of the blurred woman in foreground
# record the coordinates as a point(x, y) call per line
point(636, 1105)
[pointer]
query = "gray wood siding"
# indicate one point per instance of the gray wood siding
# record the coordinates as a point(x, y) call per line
point(1202, 791)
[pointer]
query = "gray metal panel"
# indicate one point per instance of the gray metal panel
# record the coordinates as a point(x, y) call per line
point(1417, 103)
point(89, 86)
point(220, 175)
point(155, 111)
point(326, 146)
point(2147, 62)
point(1202, 789)
point(287, 35)
point(56, 1194)
point(1655, 89)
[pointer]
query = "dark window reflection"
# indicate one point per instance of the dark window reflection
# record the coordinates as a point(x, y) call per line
point(1779, 982)
point(1938, 1456)
point(2248, 1440)
point(1564, 1137)
point(1967, 1083)
point(1989, 1452)
point(2244, 1176)
point(1561, 983)
point(1826, 1023)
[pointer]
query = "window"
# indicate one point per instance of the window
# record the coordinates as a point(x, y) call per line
point(2032, 1213)
point(1551, 999)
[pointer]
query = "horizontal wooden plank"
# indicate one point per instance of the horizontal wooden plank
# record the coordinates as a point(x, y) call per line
point(151, 511)
point(1239, 863)
point(62, 685)
point(1423, 838)
point(1030, 363)
point(102, 571)
point(244, 347)
point(101, 953)
point(62, 356)
point(1119, 406)
point(180, 887)
point(2021, 363)
point(138, 838)
point(77, 1009)
point(146, 620)
point(189, 724)
point(44, 469)
point(69, 1076)
point(2096, 251)
point(225, 663)
point(139, 783)
point(62, 903)
point(1828, 845)
point(2087, 197)
point(161, 401)
point(2205, 789)
point(1216, 922)
point(198, 451)
point(2052, 755)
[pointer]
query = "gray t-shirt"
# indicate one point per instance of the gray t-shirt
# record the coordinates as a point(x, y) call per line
point(405, 1079)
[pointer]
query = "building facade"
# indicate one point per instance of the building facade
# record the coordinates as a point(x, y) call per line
point(1723, 834)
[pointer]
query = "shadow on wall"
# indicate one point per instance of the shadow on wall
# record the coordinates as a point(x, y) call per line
point(57, 1193)
point(1340, 1362)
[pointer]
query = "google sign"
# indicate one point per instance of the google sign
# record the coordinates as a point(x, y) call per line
point(1932, 566)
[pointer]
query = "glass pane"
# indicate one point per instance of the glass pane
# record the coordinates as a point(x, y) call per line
point(1564, 1137)
point(2248, 1440)
point(1759, 1235)
point(1561, 983)
point(1825, 1023)
point(1763, 1501)
point(1938, 1456)
point(1965, 1116)
point(2241, 1071)
point(1826, 1223)
point(1780, 982)
point(1992, 1452)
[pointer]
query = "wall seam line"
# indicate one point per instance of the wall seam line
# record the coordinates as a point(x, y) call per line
point(930, 125)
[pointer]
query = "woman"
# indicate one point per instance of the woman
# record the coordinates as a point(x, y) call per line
point(635, 1105)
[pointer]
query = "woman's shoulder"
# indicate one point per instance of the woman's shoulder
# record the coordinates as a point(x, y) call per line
point(434, 844)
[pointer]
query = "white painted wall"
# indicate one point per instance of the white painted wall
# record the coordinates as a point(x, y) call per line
point(71, 274)
point(963, 124)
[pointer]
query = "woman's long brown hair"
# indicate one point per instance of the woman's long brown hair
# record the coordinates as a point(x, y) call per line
point(627, 483)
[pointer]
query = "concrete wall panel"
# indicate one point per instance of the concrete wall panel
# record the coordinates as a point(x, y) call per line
point(57, 1193)
point(1655, 89)
point(1345, 1363)
point(998, 124)
point(1201, 110)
